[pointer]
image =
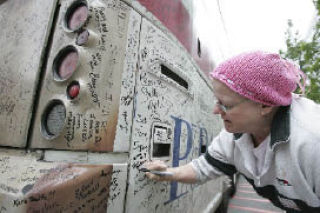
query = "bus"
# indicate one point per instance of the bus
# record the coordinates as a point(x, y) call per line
point(92, 89)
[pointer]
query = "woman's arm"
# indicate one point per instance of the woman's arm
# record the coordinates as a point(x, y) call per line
point(199, 170)
point(184, 174)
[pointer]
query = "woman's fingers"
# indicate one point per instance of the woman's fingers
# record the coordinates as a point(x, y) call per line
point(156, 165)
point(153, 176)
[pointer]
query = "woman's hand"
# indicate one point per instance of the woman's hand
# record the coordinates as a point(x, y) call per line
point(160, 166)
point(184, 174)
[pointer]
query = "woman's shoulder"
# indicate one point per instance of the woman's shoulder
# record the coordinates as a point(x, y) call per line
point(223, 139)
point(305, 116)
point(300, 103)
point(225, 136)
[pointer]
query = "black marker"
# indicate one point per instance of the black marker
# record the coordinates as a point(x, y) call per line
point(160, 173)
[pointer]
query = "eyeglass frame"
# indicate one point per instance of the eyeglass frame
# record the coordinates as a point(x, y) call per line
point(224, 108)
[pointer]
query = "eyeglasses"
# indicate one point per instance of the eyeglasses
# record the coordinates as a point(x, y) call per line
point(227, 108)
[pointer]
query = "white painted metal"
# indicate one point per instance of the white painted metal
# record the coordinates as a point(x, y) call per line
point(142, 97)
point(162, 100)
point(25, 27)
point(33, 185)
point(85, 157)
point(106, 77)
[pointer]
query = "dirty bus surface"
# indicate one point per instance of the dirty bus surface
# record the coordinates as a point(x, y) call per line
point(91, 89)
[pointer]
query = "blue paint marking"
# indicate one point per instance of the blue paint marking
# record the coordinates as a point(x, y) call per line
point(176, 153)
point(176, 141)
point(176, 158)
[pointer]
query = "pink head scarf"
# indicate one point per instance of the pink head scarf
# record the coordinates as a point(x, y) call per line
point(262, 77)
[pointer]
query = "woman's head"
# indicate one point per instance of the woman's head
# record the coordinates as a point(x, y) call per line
point(261, 77)
point(239, 114)
point(249, 87)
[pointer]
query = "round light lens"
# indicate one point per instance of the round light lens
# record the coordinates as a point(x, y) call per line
point(76, 15)
point(65, 63)
point(53, 119)
point(73, 90)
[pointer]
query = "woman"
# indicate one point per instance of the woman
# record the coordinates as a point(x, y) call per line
point(271, 135)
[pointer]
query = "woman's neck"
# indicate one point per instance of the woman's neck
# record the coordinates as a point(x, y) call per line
point(257, 139)
point(263, 129)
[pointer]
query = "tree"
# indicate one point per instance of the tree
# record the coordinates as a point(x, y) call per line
point(306, 54)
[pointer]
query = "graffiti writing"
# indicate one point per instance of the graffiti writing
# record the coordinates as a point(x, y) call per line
point(6, 106)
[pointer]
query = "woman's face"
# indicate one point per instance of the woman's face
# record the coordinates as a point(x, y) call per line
point(240, 115)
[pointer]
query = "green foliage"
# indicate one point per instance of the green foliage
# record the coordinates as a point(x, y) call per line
point(306, 54)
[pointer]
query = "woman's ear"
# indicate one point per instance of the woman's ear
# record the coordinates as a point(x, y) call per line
point(266, 110)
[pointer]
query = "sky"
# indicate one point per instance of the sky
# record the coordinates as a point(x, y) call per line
point(247, 25)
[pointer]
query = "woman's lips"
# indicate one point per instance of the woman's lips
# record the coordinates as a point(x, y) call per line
point(227, 121)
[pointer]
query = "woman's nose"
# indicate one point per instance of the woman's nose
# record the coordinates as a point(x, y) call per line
point(217, 110)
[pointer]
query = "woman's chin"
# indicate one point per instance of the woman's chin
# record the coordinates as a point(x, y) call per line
point(228, 126)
